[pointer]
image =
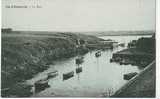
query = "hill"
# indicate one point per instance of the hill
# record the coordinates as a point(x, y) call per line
point(26, 54)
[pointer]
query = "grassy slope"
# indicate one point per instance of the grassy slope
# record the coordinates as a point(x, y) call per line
point(23, 57)
point(143, 85)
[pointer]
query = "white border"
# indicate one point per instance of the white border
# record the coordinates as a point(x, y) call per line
point(157, 49)
point(157, 55)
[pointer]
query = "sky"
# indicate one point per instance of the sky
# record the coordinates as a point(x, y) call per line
point(79, 15)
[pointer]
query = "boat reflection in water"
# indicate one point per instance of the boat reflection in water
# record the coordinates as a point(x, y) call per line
point(78, 70)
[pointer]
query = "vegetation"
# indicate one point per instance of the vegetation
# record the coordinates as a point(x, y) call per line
point(146, 44)
point(6, 30)
point(143, 85)
point(23, 57)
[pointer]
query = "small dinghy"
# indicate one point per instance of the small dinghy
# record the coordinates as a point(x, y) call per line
point(97, 54)
point(79, 60)
point(129, 75)
point(41, 85)
point(68, 75)
point(52, 74)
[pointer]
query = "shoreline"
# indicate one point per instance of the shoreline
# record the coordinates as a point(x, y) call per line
point(33, 55)
point(39, 52)
point(137, 86)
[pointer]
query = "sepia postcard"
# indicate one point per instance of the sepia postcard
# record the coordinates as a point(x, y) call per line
point(78, 48)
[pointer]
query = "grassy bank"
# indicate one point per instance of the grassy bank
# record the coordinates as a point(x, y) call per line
point(26, 54)
point(142, 85)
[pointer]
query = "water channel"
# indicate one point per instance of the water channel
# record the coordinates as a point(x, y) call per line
point(99, 77)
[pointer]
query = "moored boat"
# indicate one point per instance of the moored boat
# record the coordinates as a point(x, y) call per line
point(97, 54)
point(41, 85)
point(129, 75)
point(52, 74)
point(68, 75)
point(79, 60)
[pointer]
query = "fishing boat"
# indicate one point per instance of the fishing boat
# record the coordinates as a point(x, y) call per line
point(41, 85)
point(97, 54)
point(68, 75)
point(52, 74)
point(129, 75)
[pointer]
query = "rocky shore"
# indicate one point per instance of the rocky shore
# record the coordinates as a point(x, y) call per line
point(142, 54)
